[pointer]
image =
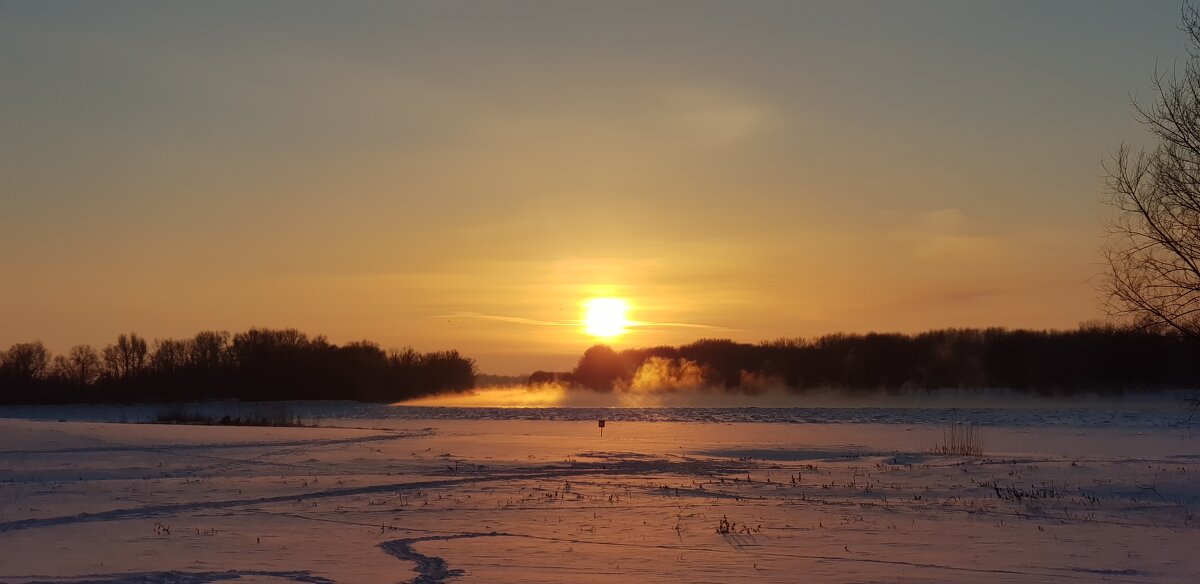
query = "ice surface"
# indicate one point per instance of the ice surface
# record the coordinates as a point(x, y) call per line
point(391, 499)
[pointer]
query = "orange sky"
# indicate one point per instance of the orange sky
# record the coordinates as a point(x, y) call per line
point(458, 176)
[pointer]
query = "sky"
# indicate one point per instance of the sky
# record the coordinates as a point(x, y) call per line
point(466, 174)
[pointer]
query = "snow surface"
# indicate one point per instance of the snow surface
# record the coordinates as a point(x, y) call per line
point(409, 500)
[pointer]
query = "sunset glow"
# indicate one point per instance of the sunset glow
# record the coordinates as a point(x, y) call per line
point(477, 173)
point(605, 317)
point(609, 291)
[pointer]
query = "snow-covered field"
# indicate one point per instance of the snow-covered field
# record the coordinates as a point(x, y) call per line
point(396, 500)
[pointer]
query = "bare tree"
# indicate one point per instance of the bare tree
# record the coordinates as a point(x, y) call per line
point(209, 349)
point(170, 355)
point(1153, 247)
point(127, 357)
point(81, 366)
point(25, 361)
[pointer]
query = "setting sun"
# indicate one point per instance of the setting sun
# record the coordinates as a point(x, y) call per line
point(605, 317)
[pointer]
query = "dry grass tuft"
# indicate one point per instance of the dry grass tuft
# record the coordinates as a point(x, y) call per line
point(960, 439)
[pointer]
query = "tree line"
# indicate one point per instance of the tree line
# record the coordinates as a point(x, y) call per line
point(259, 364)
point(1095, 359)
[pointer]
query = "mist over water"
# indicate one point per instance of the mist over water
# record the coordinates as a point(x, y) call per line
point(993, 407)
point(558, 395)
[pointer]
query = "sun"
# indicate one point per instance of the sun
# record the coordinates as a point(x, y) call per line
point(605, 317)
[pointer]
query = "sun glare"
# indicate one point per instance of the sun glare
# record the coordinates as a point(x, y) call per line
point(605, 317)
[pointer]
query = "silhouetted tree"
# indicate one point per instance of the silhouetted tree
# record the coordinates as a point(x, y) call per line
point(1153, 250)
point(259, 364)
point(81, 366)
point(265, 364)
point(170, 355)
point(25, 362)
point(1095, 358)
point(127, 357)
point(601, 367)
point(24, 369)
point(209, 349)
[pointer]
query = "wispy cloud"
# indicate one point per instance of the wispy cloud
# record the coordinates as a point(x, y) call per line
point(947, 234)
point(678, 325)
point(575, 322)
point(512, 319)
point(715, 118)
